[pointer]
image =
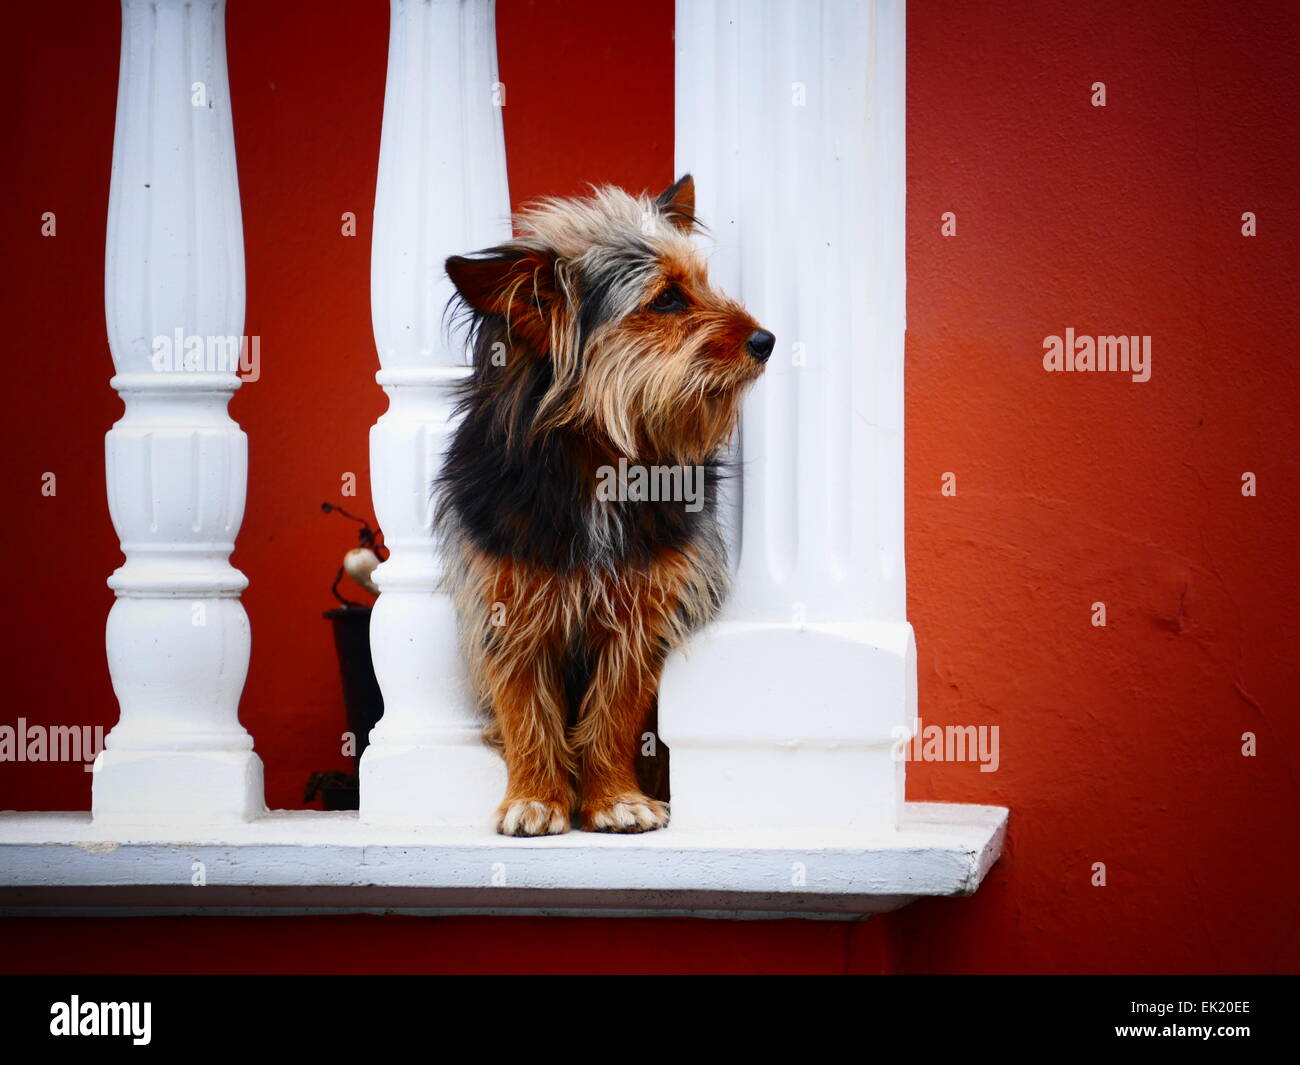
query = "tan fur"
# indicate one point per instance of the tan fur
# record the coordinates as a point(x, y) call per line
point(640, 384)
point(643, 385)
point(516, 621)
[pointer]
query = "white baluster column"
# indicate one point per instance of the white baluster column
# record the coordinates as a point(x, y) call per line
point(178, 637)
point(441, 191)
point(790, 114)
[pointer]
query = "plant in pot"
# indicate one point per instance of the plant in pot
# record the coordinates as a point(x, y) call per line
point(350, 621)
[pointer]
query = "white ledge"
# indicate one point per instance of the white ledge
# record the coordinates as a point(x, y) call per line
point(311, 862)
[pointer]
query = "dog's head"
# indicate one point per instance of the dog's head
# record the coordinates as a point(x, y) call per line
point(599, 317)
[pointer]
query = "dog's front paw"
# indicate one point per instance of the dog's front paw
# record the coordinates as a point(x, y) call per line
point(532, 817)
point(631, 812)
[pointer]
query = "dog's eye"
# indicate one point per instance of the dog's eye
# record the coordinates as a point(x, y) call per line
point(669, 300)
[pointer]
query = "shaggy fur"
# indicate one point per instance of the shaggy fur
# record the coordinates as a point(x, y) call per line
point(596, 337)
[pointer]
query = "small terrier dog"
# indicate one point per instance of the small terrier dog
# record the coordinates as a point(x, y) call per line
point(598, 345)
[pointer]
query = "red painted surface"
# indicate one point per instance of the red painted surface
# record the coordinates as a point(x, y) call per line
point(1118, 744)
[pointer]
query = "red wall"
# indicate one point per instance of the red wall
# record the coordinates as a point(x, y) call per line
point(1118, 745)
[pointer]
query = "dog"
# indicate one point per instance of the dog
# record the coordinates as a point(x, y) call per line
point(600, 351)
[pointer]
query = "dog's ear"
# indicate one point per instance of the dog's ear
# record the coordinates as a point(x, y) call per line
point(677, 203)
point(503, 280)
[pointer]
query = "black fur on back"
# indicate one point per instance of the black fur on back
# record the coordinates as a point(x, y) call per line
point(531, 497)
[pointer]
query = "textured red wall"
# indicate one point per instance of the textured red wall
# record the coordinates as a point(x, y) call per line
point(1118, 745)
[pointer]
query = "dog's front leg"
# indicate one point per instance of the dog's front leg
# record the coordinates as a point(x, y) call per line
point(614, 713)
point(524, 683)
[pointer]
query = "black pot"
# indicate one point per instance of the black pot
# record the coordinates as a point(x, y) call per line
point(341, 798)
point(361, 695)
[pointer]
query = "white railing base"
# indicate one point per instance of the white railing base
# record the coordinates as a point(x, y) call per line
point(455, 783)
point(821, 752)
point(310, 862)
point(733, 784)
point(134, 788)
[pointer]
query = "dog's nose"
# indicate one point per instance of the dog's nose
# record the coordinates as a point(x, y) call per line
point(760, 344)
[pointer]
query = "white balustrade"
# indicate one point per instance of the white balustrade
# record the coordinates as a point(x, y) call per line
point(790, 114)
point(780, 717)
point(441, 191)
point(178, 636)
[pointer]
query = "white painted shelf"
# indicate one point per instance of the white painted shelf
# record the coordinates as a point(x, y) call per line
point(311, 862)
